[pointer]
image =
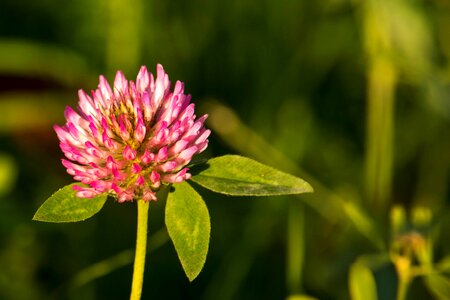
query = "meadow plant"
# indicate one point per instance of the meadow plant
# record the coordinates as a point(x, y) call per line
point(130, 141)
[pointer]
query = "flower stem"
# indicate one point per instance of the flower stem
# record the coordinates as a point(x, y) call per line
point(402, 289)
point(403, 267)
point(141, 250)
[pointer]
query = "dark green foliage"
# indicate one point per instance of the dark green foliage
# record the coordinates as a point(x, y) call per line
point(284, 83)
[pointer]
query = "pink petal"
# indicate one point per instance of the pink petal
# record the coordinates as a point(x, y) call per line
point(111, 163)
point(94, 131)
point(187, 154)
point(135, 97)
point(105, 89)
point(140, 181)
point(147, 157)
point(101, 186)
point(187, 113)
point(139, 133)
point(108, 142)
point(106, 128)
point(125, 196)
point(196, 127)
point(179, 88)
point(136, 169)
point(115, 188)
point(83, 192)
point(202, 146)
point(161, 84)
point(93, 150)
point(147, 107)
point(167, 166)
point(177, 177)
point(162, 154)
point(149, 196)
point(86, 194)
point(86, 104)
point(120, 85)
point(73, 117)
point(203, 136)
point(155, 177)
point(129, 153)
point(142, 80)
point(72, 167)
point(178, 147)
point(118, 176)
point(63, 135)
point(123, 122)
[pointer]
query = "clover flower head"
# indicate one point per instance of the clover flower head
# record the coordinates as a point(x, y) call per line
point(130, 139)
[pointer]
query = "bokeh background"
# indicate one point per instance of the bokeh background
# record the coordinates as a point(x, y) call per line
point(353, 96)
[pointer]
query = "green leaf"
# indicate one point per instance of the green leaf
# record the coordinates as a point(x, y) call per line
point(438, 285)
point(240, 176)
point(64, 206)
point(187, 221)
point(362, 282)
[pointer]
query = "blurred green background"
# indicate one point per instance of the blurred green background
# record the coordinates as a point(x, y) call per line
point(353, 96)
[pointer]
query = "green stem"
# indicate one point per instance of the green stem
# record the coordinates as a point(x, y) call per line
point(141, 247)
point(382, 77)
point(380, 109)
point(402, 289)
point(403, 268)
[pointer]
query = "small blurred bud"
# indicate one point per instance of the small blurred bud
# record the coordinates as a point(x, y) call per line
point(398, 219)
point(421, 216)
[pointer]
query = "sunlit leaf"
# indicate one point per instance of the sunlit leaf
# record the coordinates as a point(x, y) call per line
point(64, 206)
point(438, 285)
point(362, 282)
point(187, 221)
point(240, 176)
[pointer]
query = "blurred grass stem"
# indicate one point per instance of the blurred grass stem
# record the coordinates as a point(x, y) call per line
point(296, 247)
point(124, 258)
point(382, 81)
